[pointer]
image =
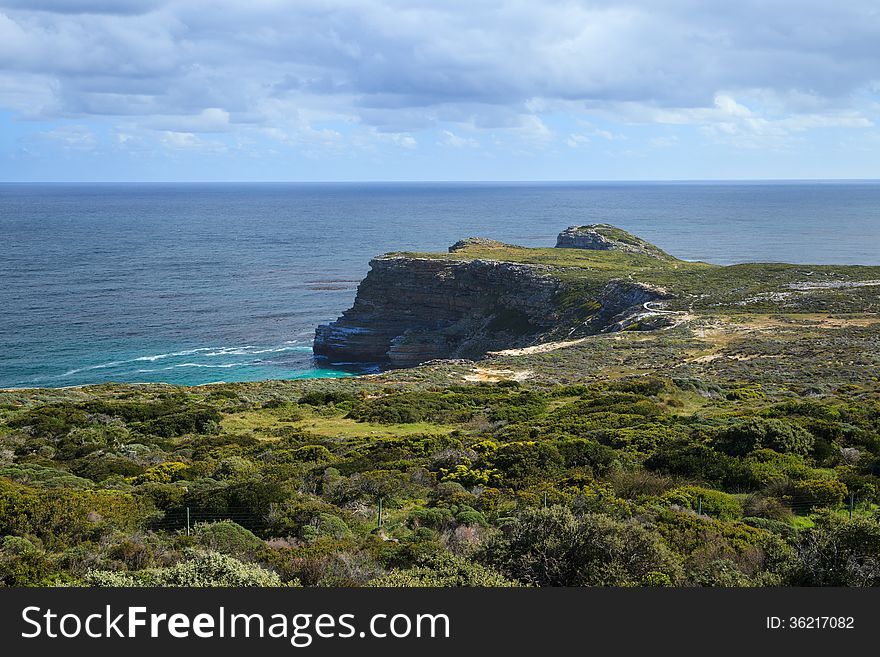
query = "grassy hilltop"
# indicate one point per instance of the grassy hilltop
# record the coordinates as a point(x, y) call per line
point(737, 445)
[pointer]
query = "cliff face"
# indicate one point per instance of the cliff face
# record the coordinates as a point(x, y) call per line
point(487, 295)
point(409, 310)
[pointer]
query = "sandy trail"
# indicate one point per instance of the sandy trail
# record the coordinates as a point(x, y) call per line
point(487, 375)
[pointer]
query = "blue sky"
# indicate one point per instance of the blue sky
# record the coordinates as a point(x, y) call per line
point(108, 90)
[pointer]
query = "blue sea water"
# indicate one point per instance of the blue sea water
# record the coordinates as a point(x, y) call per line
point(195, 283)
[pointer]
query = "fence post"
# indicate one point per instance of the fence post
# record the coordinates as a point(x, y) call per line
point(851, 497)
point(379, 515)
point(187, 522)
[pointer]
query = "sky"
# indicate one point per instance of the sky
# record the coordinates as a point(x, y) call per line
point(481, 90)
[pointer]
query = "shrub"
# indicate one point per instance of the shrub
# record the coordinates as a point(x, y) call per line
point(227, 537)
point(214, 569)
point(839, 552)
point(552, 547)
point(325, 397)
point(164, 473)
point(50, 421)
point(197, 419)
point(443, 569)
point(526, 459)
point(819, 492)
point(779, 435)
point(38, 475)
point(470, 477)
point(684, 458)
point(205, 570)
point(62, 517)
point(437, 518)
point(580, 452)
point(410, 407)
point(712, 502)
point(21, 563)
point(325, 525)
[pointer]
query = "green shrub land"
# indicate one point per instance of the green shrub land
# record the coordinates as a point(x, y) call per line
point(739, 447)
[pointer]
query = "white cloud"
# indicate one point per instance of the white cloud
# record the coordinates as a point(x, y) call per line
point(457, 141)
point(401, 67)
point(72, 137)
point(577, 140)
point(187, 141)
point(210, 119)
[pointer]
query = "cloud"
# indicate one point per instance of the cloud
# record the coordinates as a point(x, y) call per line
point(210, 119)
point(84, 6)
point(449, 138)
point(72, 137)
point(760, 69)
point(731, 120)
point(187, 141)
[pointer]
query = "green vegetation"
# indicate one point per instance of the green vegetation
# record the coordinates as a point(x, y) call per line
point(639, 481)
point(740, 447)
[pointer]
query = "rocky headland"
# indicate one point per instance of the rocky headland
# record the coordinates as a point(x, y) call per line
point(484, 296)
point(414, 308)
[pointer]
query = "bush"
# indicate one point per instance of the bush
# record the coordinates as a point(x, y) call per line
point(21, 563)
point(50, 421)
point(712, 502)
point(206, 570)
point(437, 518)
point(756, 433)
point(227, 537)
point(526, 459)
point(819, 492)
point(470, 477)
point(684, 458)
point(164, 473)
point(840, 552)
point(443, 569)
point(411, 407)
point(325, 525)
point(579, 452)
point(552, 547)
point(63, 517)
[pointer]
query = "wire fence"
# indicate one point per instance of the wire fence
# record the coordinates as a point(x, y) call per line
point(185, 519)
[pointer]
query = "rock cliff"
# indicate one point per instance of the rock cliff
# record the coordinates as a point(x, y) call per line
point(411, 309)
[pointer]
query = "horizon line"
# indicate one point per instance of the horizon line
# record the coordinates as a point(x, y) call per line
point(442, 181)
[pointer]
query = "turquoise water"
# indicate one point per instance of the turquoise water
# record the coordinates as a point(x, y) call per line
point(198, 283)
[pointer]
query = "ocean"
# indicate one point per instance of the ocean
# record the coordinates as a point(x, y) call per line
point(196, 283)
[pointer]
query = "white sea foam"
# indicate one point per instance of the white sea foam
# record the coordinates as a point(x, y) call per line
point(186, 352)
point(224, 365)
point(94, 367)
point(203, 352)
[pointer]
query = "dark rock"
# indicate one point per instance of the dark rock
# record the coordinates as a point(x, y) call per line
point(410, 310)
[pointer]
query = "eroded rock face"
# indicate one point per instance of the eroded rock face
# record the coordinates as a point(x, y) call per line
point(413, 309)
point(409, 310)
point(604, 237)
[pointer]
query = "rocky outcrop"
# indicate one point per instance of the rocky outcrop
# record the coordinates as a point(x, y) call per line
point(476, 242)
point(409, 310)
point(413, 309)
point(604, 237)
